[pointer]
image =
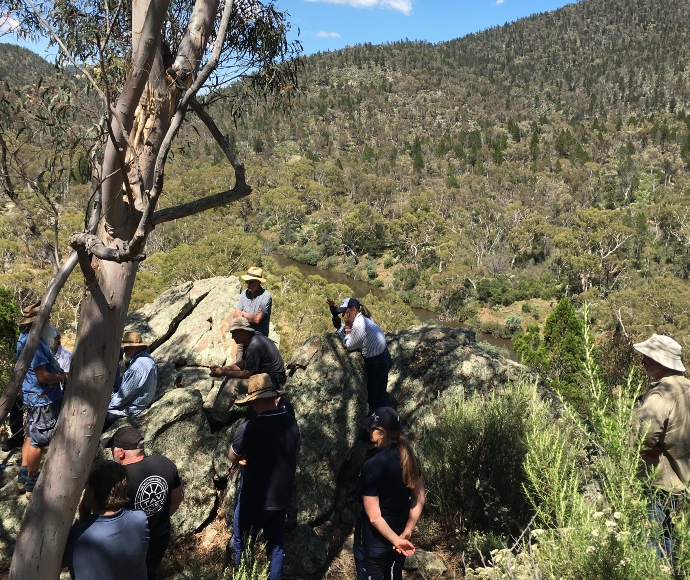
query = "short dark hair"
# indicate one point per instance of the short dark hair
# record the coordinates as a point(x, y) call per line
point(108, 483)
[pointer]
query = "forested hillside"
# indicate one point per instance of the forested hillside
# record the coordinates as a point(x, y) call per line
point(543, 158)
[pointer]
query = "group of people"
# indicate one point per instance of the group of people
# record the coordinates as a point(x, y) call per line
point(390, 488)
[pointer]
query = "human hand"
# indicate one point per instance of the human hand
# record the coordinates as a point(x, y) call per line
point(330, 302)
point(349, 317)
point(242, 462)
point(403, 546)
point(215, 371)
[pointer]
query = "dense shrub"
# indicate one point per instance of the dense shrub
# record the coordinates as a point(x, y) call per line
point(473, 461)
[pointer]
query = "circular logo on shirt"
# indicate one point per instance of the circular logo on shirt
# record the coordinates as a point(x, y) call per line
point(151, 495)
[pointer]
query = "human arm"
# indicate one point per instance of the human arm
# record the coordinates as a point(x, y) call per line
point(416, 506)
point(373, 511)
point(46, 378)
point(335, 317)
point(233, 371)
point(176, 497)
point(354, 331)
point(651, 420)
point(133, 379)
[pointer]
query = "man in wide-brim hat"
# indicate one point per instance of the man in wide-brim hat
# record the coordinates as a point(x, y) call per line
point(135, 391)
point(260, 355)
point(267, 443)
point(663, 422)
point(42, 398)
point(254, 304)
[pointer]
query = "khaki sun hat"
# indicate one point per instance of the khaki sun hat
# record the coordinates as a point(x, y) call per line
point(662, 349)
point(254, 273)
point(133, 339)
point(29, 313)
point(259, 387)
point(240, 323)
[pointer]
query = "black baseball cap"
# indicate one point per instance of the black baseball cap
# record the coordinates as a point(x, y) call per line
point(124, 438)
point(347, 303)
point(386, 417)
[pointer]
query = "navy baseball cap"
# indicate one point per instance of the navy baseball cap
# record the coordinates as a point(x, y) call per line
point(347, 303)
point(386, 417)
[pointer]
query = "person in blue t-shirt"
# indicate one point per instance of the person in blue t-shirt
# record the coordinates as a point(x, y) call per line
point(42, 397)
point(107, 542)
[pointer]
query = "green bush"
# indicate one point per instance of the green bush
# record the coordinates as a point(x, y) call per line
point(473, 459)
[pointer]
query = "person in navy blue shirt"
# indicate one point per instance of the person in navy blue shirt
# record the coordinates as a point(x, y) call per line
point(266, 446)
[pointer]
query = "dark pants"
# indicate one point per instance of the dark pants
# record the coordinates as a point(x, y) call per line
point(109, 420)
point(251, 521)
point(378, 563)
point(377, 368)
point(152, 566)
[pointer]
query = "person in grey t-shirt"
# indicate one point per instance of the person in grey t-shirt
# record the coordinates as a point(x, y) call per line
point(254, 304)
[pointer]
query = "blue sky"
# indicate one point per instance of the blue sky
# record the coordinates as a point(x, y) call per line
point(333, 24)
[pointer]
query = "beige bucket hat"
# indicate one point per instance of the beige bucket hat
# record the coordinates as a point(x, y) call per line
point(259, 387)
point(133, 339)
point(254, 273)
point(240, 323)
point(662, 349)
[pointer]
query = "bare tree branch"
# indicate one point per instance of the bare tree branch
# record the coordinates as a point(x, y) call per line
point(197, 206)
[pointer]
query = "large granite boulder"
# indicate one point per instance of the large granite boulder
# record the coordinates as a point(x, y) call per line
point(187, 328)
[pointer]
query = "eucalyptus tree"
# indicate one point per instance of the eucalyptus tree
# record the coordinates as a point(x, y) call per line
point(150, 64)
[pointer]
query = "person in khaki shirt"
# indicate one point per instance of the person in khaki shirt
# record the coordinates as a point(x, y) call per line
point(663, 421)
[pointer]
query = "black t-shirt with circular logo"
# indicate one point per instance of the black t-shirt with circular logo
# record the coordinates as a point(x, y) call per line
point(150, 482)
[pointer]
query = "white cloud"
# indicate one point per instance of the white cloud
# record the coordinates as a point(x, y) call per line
point(499, 2)
point(8, 24)
point(324, 34)
point(404, 6)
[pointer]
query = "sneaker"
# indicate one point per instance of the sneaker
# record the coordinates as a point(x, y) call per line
point(21, 478)
point(13, 442)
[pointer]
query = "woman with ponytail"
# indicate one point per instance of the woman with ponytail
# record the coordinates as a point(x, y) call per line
point(359, 332)
point(391, 489)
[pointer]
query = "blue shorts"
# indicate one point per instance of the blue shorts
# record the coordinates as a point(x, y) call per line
point(40, 423)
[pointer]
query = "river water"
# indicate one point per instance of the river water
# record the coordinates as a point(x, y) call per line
point(361, 289)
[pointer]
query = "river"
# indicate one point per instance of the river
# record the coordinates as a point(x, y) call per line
point(361, 289)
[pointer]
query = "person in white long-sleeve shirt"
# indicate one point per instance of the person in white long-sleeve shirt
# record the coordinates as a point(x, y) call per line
point(359, 332)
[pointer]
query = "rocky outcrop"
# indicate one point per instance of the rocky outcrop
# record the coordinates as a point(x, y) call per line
point(187, 329)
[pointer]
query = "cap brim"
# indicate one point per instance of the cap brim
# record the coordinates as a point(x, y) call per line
point(107, 442)
point(368, 422)
point(340, 310)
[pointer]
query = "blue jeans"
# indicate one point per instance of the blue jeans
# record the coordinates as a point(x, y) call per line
point(377, 368)
point(378, 563)
point(247, 522)
point(660, 508)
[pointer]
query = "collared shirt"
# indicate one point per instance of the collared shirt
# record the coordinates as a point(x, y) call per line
point(138, 387)
point(64, 358)
point(663, 417)
point(35, 393)
point(365, 336)
point(252, 304)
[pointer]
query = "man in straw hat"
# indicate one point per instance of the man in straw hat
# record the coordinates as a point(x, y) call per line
point(267, 447)
point(254, 304)
point(260, 355)
point(42, 397)
point(137, 387)
point(663, 423)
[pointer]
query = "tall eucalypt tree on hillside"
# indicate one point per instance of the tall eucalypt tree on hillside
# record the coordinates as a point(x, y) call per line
point(153, 64)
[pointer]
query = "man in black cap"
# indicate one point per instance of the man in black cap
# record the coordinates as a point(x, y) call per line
point(267, 447)
point(154, 487)
point(260, 355)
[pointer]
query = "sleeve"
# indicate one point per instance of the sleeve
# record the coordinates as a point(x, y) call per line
point(355, 340)
point(176, 481)
point(266, 304)
point(653, 416)
point(368, 484)
point(335, 317)
point(42, 357)
point(238, 443)
point(132, 379)
point(252, 358)
point(241, 302)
